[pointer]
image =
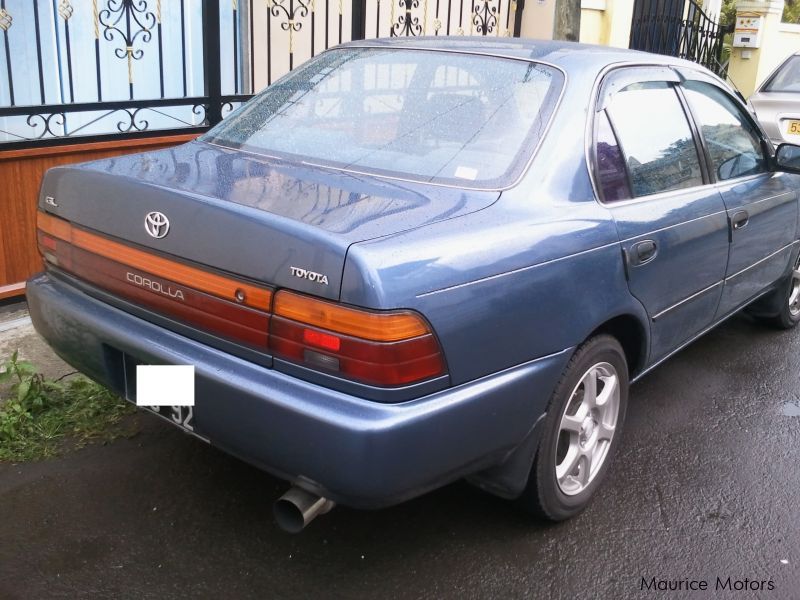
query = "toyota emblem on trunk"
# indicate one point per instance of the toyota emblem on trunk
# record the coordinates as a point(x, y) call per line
point(156, 224)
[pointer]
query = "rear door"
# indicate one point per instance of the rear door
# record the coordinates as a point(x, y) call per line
point(672, 224)
point(761, 204)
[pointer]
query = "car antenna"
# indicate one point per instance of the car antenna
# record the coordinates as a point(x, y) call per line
point(738, 91)
point(733, 83)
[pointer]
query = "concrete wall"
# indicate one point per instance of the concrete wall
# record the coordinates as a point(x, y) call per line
point(538, 19)
point(606, 22)
point(749, 67)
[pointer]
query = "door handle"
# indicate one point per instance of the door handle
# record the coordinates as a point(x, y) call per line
point(643, 252)
point(740, 219)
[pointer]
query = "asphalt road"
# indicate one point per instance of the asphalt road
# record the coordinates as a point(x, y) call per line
point(705, 486)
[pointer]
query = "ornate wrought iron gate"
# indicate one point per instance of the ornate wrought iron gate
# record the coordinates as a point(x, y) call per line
point(678, 28)
point(87, 69)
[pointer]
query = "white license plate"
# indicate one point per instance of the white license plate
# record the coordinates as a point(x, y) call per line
point(182, 416)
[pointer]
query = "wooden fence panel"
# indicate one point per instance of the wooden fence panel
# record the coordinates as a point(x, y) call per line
point(21, 173)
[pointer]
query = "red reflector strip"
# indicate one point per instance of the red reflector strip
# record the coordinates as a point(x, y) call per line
point(224, 287)
point(225, 319)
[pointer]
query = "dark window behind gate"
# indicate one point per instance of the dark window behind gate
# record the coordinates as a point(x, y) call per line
point(678, 28)
point(88, 69)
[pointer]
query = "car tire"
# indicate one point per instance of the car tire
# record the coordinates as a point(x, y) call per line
point(581, 431)
point(781, 307)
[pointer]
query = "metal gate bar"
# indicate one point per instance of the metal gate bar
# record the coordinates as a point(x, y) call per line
point(678, 28)
point(105, 69)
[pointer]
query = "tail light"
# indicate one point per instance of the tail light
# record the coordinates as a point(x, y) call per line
point(388, 348)
point(384, 348)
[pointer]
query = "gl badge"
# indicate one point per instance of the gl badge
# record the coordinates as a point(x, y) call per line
point(156, 224)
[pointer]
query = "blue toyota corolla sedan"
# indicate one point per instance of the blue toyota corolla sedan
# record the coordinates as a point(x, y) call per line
point(414, 261)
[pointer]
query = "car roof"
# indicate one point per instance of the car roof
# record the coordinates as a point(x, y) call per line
point(573, 57)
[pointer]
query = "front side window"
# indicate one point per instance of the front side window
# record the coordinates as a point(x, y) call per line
point(733, 143)
point(655, 137)
point(787, 78)
point(449, 118)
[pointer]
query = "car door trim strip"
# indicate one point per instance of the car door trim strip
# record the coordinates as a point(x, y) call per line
point(758, 262)
point(661, 313)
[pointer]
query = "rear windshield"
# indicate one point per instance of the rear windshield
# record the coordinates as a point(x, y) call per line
point(787, 78)
point(444, 117)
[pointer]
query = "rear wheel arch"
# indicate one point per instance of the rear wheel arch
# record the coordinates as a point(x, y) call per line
point(631, 334)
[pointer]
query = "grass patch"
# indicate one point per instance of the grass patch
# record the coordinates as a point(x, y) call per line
point(40, 417)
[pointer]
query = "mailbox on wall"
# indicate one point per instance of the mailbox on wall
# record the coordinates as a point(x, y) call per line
point(747, 33)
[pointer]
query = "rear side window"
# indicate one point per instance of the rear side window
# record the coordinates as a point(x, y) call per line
point(734, 145)
point(787, 78)
point(611, 174)
point(445, 117)
point(655, 138)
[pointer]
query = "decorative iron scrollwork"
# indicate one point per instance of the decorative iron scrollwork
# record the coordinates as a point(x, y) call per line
point(136, 15)
point(65, 9)
point(132, 124)
point(485, 17)
point(47, 122)
point(200, 110)
point(5, 19)
point(407, 25)
point(226, 109)
point(47, 125)
point(296, 10)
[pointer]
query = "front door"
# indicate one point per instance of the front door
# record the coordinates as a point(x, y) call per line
point(761, 205)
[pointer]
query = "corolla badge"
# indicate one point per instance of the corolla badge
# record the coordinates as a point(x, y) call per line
point(156, 224)
point(310, 275)
point(155, 286)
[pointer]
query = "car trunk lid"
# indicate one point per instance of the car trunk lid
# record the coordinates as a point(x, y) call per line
point(286, 225)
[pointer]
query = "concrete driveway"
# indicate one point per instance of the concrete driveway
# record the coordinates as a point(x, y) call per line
point(705, 485)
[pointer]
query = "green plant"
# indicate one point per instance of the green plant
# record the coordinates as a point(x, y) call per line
point(39, 416)
point(791, 11)
point(727, 14)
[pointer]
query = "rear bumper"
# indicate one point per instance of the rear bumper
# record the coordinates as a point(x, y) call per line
point(357, 452)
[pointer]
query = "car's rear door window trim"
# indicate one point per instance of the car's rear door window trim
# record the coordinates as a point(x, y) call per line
point(605, 88)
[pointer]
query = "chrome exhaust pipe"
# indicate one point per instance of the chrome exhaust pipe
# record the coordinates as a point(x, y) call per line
point(297, 508)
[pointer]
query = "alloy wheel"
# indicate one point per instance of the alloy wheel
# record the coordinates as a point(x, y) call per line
point(794, 295)
point(588, 424)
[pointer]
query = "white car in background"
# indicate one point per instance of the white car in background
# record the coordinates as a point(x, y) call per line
point(776, 103)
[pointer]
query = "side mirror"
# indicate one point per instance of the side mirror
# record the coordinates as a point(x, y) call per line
point(787, 158)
